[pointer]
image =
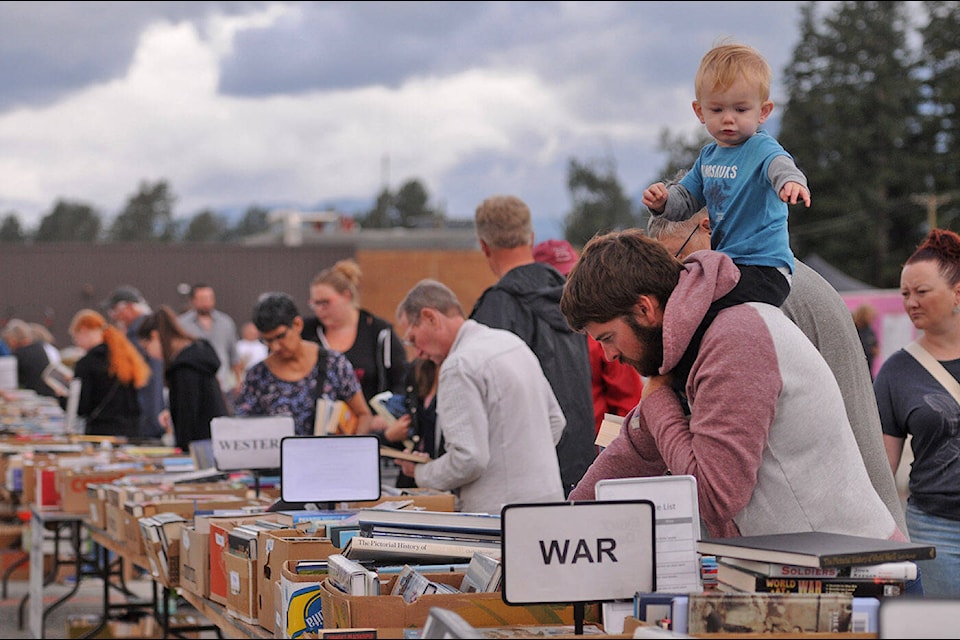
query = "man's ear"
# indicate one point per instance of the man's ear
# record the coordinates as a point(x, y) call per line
point(430, 316)
point(646, 310)
point(485, 248)
point(705, 225)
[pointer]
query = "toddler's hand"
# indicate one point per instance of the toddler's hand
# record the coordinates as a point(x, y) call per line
point(794, 191)
point(655, 197)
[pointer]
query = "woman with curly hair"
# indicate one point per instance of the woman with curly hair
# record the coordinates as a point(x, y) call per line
point(914, 402)
point(110, 372)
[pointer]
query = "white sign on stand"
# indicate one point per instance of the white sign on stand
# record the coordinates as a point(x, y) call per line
point(315, 469)
point(248, 443)
point(570, 552)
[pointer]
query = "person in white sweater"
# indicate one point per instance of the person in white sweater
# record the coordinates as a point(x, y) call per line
point(499, 418)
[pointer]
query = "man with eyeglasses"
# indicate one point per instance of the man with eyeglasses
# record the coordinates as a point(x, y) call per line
point(816, 307)
point(499, 418)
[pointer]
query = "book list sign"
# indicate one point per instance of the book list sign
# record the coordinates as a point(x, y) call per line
point(577, 552)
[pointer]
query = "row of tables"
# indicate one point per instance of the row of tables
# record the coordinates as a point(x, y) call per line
point(73, 528)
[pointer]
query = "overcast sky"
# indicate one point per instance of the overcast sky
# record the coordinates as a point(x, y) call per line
point(310, 103)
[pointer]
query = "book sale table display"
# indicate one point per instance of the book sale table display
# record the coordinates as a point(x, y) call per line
point(330, 552)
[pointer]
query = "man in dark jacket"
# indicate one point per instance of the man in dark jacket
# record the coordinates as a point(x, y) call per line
point(526, 301)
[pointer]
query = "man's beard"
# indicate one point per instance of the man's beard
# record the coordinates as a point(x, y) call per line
point(651, 343)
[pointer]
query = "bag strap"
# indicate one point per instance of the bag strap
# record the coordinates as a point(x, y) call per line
point(936, 369)
point(383, 359)
point(93, 415)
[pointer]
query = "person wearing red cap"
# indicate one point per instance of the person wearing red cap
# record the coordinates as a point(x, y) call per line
point(616, 386)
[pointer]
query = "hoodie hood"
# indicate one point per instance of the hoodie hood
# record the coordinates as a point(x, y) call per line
point(200, 356)
point(706, 277)
point(539, 287)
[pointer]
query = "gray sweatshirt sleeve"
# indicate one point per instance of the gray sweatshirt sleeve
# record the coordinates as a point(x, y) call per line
point(782, 170)
point(681, 204)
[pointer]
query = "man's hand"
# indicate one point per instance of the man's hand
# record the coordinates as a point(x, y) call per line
point(794, 191)
point(655, 197)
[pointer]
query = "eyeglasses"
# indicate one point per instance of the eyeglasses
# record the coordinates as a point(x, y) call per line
point(320, 303)
point(686, 242)
point(279, 336)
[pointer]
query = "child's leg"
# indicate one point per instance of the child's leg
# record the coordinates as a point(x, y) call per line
point(758, 284)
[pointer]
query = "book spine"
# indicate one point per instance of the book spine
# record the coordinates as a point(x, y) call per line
point(776, 570)
point(861, 588)
point(427, 548)
point(879, 557)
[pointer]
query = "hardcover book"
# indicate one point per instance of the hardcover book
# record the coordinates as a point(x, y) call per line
point(735, 578)
point(397, 454)
point(816, 549)
point(414, 551)
point(415, 519)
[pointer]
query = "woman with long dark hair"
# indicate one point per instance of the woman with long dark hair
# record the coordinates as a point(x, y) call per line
point(190, 370)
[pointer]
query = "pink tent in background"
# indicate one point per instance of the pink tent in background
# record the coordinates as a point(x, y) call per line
point(892, 325)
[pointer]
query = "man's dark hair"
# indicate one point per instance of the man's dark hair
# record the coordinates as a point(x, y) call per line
point(614, 270)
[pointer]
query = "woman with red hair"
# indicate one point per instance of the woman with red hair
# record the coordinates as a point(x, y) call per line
point(110, 372)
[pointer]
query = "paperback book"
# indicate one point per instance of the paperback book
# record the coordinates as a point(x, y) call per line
point(483, 573)
point(352, 577)
point(816, 549)
point(895, 570)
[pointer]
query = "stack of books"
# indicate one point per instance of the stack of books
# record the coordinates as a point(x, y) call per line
point(815, 562)
point(417, 537)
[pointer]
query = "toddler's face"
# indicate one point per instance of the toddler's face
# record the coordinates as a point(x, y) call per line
point(733, 114)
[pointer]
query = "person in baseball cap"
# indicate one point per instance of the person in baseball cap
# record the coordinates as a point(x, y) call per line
point(124, 293)
point(559, 254)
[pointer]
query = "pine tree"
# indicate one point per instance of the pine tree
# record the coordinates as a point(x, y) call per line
point(852, 124)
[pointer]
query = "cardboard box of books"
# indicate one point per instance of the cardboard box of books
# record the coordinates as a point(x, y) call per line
point(194, 561)
point(241, 587)
point(276, 548)
point(219, 529)
point(300, 609)
point(161, 542)
point(479, 609)
point(73, 484)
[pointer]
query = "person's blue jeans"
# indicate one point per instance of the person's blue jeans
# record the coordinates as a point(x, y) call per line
point(941, 575)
